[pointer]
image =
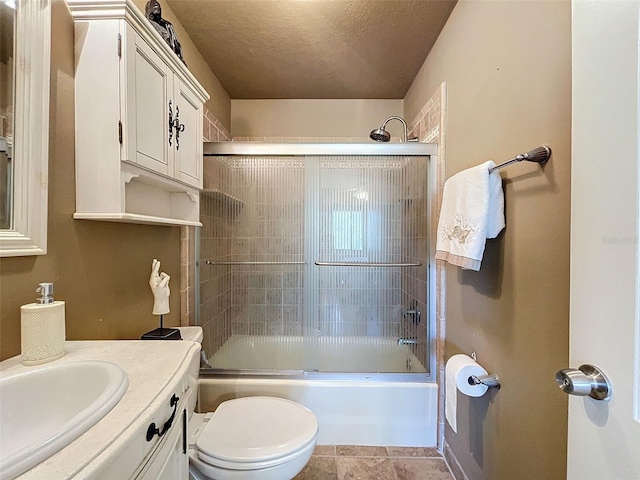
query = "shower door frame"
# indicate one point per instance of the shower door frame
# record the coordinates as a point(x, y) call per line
point(429, 150)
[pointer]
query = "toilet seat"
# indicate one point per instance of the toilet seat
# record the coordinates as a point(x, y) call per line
point(254, 433)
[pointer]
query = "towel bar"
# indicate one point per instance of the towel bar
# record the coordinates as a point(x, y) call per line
point(212, 262)
point(539, 155)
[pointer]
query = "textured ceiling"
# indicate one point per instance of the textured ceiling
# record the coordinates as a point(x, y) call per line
point(313, 48)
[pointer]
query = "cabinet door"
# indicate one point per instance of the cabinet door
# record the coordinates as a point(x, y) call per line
point(149, 86)
point(188, 141)
point(170, 460)
point(176, 466)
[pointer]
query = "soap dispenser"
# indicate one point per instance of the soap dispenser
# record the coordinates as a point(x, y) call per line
point(43, 330)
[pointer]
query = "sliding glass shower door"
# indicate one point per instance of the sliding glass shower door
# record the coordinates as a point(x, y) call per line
point(316, 263)
point(362, 248)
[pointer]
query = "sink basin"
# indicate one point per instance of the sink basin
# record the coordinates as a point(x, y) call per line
point(44, 409)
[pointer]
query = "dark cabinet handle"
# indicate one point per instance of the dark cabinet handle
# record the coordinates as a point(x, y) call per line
point(179, 127)
point(153, 430)
point(170, 123)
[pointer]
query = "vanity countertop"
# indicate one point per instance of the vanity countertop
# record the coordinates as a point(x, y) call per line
point(153, 368)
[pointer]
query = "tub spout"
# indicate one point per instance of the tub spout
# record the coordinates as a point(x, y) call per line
point(407, 341)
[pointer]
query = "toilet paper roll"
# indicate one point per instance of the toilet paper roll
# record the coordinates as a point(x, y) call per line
point(457, 372)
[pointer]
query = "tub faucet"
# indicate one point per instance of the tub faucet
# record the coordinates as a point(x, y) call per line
point(412, 312)
point(407, 341)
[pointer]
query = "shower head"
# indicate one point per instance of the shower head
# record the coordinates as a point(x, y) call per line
point(381, 135)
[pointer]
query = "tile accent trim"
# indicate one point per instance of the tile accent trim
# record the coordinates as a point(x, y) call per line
point(187, 275)
point(213, 130)
point(430, 127)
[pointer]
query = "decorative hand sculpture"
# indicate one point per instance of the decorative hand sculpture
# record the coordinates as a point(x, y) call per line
point(159, 283)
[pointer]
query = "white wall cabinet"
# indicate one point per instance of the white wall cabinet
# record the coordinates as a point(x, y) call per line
point(138, 120)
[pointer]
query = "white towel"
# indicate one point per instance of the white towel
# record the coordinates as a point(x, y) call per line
point(472, 211)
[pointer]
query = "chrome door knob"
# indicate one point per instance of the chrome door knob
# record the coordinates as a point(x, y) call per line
point(586, 380)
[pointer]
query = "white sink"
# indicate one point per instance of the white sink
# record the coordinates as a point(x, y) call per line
point(43, 409)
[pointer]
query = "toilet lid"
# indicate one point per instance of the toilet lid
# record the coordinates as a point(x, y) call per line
point(256, 429)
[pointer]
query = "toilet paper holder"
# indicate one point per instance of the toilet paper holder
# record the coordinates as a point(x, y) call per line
point(489, 380)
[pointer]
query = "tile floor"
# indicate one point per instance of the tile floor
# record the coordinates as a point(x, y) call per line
point(345, 462)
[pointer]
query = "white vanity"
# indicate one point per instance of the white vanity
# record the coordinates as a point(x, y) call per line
point(144, 435)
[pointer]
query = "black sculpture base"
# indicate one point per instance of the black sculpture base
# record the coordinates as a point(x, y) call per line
point(162, 334)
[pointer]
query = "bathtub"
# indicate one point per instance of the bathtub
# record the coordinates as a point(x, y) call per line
point(377, 408)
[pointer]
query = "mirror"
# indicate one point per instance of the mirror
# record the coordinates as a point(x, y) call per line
point(7, 22)
point(24, 134)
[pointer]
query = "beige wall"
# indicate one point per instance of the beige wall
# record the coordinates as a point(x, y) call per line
point(101, 270)
point(219, 103)
point(508, 71)
point(312, 118)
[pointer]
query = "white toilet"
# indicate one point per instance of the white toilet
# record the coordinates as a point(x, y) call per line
point(250, 438)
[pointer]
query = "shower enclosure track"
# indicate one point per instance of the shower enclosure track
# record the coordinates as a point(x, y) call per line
point(287, 149)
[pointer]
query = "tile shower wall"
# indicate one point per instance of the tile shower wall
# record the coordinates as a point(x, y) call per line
point(253, 211)
point(361, 205)
point(359, 302)
point(267, 299)
point(213, 130)
point(415, 248)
